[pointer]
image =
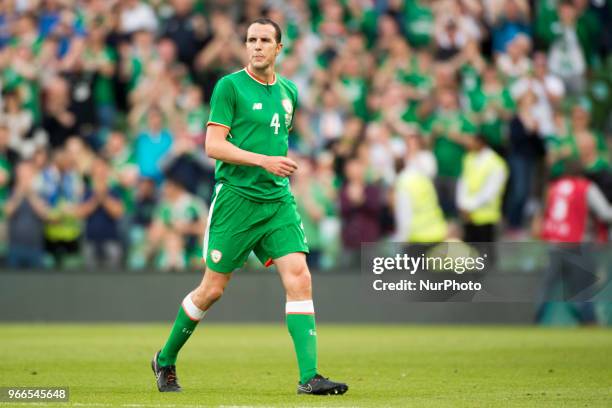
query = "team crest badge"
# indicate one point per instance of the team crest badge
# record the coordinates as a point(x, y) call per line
point(215, 255)
point(287, 105)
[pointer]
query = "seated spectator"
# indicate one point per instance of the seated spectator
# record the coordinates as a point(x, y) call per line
point(18, 121)
point(145, 201)
point(509, 19)
point(187, 162)
point(152, 144)
point(567, 59)
point(515, 63)
point(178, 226)
point(26, 212)
point(101, 210)
point(62, 187)
point(58, 121)
point(123, 168)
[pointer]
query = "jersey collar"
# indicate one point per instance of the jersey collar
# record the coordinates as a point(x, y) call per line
point(254, 78)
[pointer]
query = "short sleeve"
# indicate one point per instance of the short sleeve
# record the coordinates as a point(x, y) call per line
point(222, 104)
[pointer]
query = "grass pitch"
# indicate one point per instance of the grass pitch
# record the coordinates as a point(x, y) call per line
point(253, 365)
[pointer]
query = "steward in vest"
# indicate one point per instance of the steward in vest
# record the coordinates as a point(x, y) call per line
point(480, 190)
point(418, 215)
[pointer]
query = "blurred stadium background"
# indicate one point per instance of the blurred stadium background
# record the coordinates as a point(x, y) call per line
point(106, 101)
point(110, 99)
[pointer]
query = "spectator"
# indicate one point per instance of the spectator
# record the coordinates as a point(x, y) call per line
point(515, 63)
point(187, 30)
point(567, 59)
point(145, 203)
point(361, 205)
point(449, 129)
point(177, 228)
point(62, 187)
point(101, 209)
point(58, 121)
point(493, 107)
point(152, 145)
point(187, 162)
point(509, 18)
point(26, 212)
point(525, 149)
point(100, 60)
point(137, 15)
point(313, 206)
point(549, 91)
point(18, 122)
point(124, 171)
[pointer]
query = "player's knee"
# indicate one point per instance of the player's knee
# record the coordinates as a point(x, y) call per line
point(214, 293)
point(204, 296)
point(300, 279)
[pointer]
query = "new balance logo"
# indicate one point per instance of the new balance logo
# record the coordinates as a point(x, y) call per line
point(305, 388)
point(257, 106)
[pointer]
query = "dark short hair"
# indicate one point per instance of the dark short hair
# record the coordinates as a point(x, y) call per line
point(267, 21)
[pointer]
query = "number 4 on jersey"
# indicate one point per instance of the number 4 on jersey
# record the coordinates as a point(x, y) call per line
point(275, 123)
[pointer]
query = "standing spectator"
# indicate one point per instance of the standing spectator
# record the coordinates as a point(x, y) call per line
point(152, 145)
point(26, 212)
point(101, 209)
point(361, 205)
point(480, 190)
point(450, 129)
point(525, 149)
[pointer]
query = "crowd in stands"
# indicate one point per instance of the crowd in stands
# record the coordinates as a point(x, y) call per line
point(418, 120)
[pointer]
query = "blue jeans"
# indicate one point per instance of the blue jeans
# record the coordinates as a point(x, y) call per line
point(24, 257)
point(521, 179)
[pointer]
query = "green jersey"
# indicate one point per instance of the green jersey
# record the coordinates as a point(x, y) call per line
point(259, 117)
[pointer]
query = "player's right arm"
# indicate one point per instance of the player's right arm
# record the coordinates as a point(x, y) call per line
point(219, 148)
point(222, 111)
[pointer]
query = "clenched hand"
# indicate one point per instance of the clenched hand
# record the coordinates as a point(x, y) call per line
point(279, 165)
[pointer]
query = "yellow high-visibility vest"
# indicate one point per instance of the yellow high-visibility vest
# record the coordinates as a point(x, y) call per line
point(427, 222)
point(475, 176)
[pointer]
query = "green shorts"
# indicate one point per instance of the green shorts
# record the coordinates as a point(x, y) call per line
point(236, 226)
